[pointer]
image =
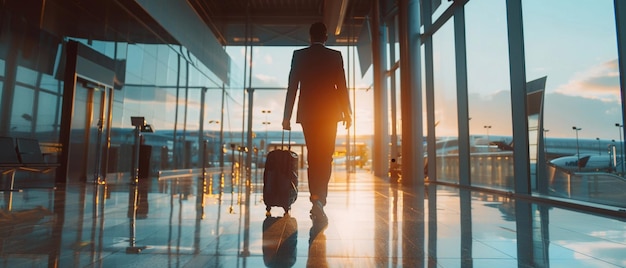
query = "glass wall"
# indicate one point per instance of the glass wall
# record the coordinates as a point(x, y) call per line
point(439, 6)
point(30, 102)
point(574, 45)
point(164, 83)
point(571, 44)
point(489, 94)
point(394, 97)
point(574, 112)
point(446, 116)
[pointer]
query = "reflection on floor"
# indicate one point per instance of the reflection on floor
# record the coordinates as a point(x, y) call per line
point(220, 222)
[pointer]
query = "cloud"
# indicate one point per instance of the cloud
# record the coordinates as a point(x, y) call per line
point(596, 117)
point(490, 110)
point(267, 80)
point(598, 82)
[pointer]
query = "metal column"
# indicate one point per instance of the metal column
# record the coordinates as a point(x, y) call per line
point(412, 130)
point(249, 134)
point(461, 92)
point(201, 139)
point(381, 141)
point(69, 90)
point(517, 69)
point(222, 127)
point(431, 139)
point(620, 25)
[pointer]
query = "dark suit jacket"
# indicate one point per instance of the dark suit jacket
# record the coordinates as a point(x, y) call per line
point(319, 73)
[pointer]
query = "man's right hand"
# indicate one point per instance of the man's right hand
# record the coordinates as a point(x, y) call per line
point(286, 125)
point(347, 122)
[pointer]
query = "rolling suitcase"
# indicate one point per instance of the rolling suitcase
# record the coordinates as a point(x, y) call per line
point(280, 178)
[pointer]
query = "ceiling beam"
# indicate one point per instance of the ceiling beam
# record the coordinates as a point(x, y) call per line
point(334, 15)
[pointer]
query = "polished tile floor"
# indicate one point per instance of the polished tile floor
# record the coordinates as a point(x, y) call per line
point(220, 222)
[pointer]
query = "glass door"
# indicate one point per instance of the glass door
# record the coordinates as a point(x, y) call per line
point(88, 131)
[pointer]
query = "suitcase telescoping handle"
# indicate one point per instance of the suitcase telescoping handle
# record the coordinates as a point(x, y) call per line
point(282, 141)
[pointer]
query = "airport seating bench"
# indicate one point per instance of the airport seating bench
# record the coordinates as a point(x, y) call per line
point(23, 154)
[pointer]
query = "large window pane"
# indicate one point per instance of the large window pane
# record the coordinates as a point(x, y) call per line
point(48, 116)
point(22, 113)
point(439, 6)
point(573, 43)
point(489, 94)
point(446, 104)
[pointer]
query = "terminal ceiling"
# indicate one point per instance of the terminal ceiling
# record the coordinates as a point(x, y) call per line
point(282, 22)
point(265, 22)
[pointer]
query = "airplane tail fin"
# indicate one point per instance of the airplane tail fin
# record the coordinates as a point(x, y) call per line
point(503, 146)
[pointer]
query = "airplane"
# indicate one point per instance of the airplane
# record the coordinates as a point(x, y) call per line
point(582, 155)
point(588, 163)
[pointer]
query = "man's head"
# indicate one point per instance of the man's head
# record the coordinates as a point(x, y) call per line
point(317, 32)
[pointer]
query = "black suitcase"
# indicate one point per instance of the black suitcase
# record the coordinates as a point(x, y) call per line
point(280, 178)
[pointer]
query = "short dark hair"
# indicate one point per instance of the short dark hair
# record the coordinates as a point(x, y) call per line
point(318, 31)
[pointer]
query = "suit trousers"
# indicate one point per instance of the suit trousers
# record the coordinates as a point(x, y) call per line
point(320, 138)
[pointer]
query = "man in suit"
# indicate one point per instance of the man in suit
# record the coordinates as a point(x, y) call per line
point(323, 102)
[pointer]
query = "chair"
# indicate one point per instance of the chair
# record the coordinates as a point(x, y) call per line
point(9, 161)
point(29, 152)
point(8, 155)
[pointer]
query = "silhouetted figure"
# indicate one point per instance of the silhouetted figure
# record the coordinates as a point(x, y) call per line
point(323, 101)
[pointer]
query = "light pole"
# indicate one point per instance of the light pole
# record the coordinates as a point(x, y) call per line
point(217, 122)
point(577, 147)
point(266, 123)
point(613, 154)
point(487, 128)
point(621, 146)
